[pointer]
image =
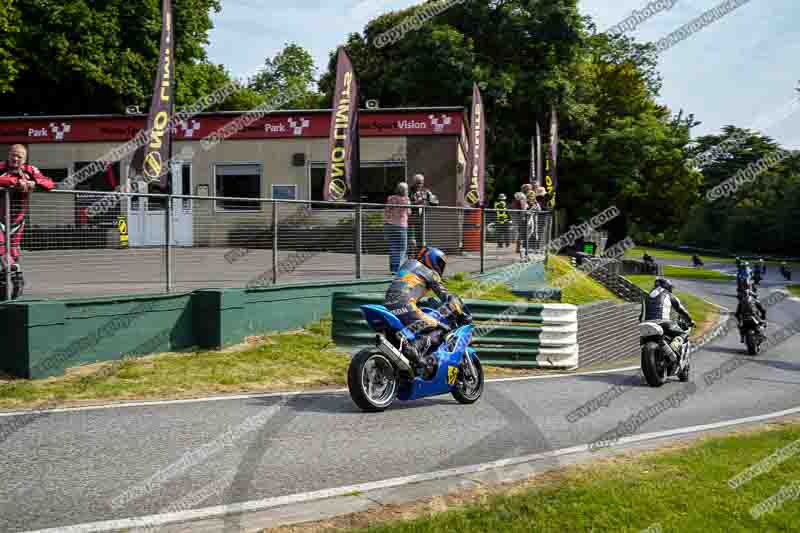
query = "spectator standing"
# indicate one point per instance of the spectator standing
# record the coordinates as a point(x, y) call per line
point(502, 222)
point(519, 206)
point(396, 226)
point(21, 179)
point(420, 196)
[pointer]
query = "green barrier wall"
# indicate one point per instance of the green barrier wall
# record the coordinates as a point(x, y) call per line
point(43, 338)
point(522, 335)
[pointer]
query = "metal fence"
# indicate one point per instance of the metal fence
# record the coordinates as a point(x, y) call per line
point(88, 244)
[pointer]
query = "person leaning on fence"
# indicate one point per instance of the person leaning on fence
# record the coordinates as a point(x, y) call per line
point(519, 206)
point(420, 196)
point(502, 222)
point(396, 226)
point(20, 179)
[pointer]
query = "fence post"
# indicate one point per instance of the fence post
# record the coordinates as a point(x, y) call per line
point(359, 227)
point(483, 240)
point(423, 225)
point(7, 232)
point(274, 241)
point(168, 247)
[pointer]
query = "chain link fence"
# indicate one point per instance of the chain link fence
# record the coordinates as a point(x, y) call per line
point(90, 244)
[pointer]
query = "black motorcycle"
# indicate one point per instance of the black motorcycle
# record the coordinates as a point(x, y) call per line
point(664, 356)
point(17, 283)
point(696, 261)
point(754, 334)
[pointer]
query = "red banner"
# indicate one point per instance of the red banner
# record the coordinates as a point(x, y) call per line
point(274, 126)
point(473, 197)
point(343, 165)
point(152, 159)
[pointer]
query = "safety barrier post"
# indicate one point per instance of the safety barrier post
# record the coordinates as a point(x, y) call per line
point(358, 226)
point(274, 242)
point(483, 240)
point(7, 231)
point(168, 245)
point(424, 226)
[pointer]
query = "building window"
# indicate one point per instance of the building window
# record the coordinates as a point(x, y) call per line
point(238, 181)
point(378, 180)
point(284, 192)
point(56, 174)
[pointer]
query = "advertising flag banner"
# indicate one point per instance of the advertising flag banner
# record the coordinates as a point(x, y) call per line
point(551, 180)
point(152, 160)
point(341, 173)
point(473, 197)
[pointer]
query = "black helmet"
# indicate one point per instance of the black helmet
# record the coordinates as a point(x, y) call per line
point(664, 283)
point(433, 258)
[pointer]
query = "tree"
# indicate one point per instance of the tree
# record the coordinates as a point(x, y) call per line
point(85, 56)
point(291, 71)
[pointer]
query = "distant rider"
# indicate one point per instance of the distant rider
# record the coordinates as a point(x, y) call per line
point(658, 308)
point(749, 307)
point(415, 278)
point(744, 276)
point(697, 261)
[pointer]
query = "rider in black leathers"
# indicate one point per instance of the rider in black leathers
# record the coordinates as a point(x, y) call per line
point(658, 308)
point(748, 307)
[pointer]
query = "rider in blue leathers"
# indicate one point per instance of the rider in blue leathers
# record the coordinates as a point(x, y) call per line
point(413, 281)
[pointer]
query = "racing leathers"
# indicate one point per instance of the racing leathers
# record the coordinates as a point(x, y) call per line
point(749, 307)
point(413, 282)
point(10, 179)
point(658, 308)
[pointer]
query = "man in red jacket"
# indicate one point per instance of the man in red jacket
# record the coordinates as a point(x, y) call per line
point(19, 178)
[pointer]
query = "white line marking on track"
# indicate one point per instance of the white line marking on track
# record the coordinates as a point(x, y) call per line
point(258, 505)
point(274, 395)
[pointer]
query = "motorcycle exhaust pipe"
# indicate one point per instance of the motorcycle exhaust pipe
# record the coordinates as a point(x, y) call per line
point(393, 354)
point(667, 349)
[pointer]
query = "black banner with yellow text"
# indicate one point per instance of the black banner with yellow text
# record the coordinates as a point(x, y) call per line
point(474, 187)
point(341, 174)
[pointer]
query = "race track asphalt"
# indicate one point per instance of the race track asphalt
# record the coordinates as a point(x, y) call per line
point(93, 465)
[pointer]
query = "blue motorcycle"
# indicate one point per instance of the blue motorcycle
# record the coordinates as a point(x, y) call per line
point(380, 374)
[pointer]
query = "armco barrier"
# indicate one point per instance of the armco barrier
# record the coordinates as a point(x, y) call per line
point(541, 335)
point(608, 331)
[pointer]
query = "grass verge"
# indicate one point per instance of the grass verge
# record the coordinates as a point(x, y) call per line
point(682, 488)
point(576, 287)
point(696, 273)
point(637, 251)
point(794, 289)
point(704, 314)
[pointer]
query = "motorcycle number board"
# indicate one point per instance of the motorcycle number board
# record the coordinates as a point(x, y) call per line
point(452, 373)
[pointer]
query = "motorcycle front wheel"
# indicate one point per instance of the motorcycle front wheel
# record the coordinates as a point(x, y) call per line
point(654, 367)
point(468, 390)
point(372, 380)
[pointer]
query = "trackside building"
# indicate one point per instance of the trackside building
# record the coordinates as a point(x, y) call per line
point(282, 155)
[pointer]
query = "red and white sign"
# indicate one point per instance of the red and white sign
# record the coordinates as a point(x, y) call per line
point(279, 125)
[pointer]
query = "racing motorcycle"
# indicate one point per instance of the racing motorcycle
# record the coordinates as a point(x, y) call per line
point(754, 334)
point(662, 356)
point(380, 374)
point(17, 281)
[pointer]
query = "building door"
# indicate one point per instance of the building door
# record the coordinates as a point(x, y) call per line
point(148, 215)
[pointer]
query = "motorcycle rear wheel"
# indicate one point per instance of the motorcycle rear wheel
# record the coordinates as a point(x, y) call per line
point(471, 394)
point(654, 367)
point(752, 342)
point(372, 380)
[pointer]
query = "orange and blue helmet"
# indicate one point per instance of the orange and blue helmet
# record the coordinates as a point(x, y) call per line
point(433, 258)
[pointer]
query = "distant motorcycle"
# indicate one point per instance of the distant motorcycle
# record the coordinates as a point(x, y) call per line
point(380, 374)
point(662, 356)
point(697, 261)
point(754, 334)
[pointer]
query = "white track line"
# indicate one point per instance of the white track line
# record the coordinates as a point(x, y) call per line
point(258, 505)
point(273, 395)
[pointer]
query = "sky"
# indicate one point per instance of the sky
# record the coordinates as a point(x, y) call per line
point(741, 70)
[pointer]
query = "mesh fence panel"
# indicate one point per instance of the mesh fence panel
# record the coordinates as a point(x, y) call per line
point(74, 244)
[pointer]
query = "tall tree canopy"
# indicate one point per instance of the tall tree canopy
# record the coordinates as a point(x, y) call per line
point(86, 56)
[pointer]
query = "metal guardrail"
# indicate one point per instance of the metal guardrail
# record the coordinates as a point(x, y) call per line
point(542, 335)
point(91, 243)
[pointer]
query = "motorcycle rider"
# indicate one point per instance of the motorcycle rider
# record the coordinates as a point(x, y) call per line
point(744, 276)
point(658, 308)
point(749, 307)
point(21, 179)
point(415, 278)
